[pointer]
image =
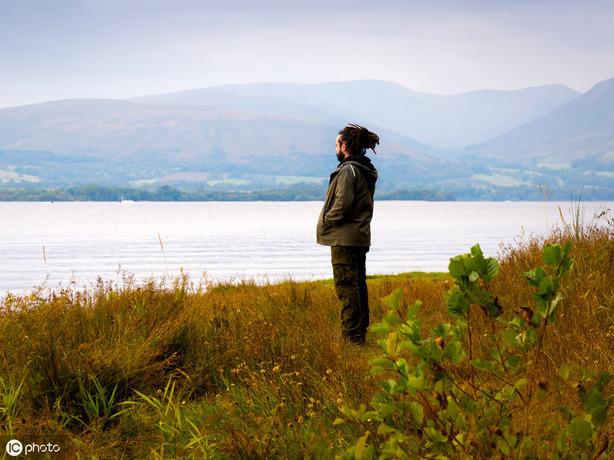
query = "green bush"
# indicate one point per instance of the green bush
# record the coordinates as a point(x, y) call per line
point(441, 398)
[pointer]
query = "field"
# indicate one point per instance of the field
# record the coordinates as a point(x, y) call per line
point(177, 370)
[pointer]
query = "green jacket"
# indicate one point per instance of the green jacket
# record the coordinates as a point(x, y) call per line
point(345, 219)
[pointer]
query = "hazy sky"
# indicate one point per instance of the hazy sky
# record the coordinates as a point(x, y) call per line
point(57, 49)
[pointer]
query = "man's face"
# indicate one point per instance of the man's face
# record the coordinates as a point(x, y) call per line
point(340, 148)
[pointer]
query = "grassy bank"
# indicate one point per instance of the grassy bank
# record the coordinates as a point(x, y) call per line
point(248, 371)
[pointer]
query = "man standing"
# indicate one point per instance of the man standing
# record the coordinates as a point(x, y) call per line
point(345, 226)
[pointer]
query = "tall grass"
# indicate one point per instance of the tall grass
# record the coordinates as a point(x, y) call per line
point(245, 370)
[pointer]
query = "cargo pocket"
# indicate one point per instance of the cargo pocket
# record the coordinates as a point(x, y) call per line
point(341, 255)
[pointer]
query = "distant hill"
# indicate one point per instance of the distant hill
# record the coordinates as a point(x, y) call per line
point(578, 135)
point(138, 141)
point(444, 121)
point(277, 136)
point(115, 129)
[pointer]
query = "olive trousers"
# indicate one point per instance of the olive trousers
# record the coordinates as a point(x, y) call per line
point(351, 286)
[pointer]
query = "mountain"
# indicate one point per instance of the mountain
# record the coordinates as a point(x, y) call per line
point(580, 134)
point(265, 136)
point(115, 129)
point(126, 140)
point(444, 121)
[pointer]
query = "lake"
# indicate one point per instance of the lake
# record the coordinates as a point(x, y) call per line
point(54, 244)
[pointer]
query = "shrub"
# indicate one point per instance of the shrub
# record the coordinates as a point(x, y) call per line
point(438, 398)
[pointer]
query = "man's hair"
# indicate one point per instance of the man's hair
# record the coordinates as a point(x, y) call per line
point(358, 139)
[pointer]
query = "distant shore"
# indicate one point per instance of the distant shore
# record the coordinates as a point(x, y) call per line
point(168, 193)
point(294, 193)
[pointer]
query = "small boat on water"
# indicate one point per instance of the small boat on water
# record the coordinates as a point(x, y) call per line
point(121, 200)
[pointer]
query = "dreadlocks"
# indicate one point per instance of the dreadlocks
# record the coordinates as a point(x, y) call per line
point(358, 139)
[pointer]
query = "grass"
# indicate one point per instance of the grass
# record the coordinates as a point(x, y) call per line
point(213, 182)
point(499, 179)
point(292, 180)
point(248, 371)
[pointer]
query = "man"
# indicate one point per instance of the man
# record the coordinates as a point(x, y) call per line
point(345, 226)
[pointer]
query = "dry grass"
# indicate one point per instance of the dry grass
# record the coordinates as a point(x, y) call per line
point(258, 371)
point(584, 333)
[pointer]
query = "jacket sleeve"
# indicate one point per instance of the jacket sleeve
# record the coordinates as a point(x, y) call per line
point(344, 197)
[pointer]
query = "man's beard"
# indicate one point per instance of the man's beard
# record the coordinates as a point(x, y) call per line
point(340, 156)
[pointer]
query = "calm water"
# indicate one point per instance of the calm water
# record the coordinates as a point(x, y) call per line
point(59, 243)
